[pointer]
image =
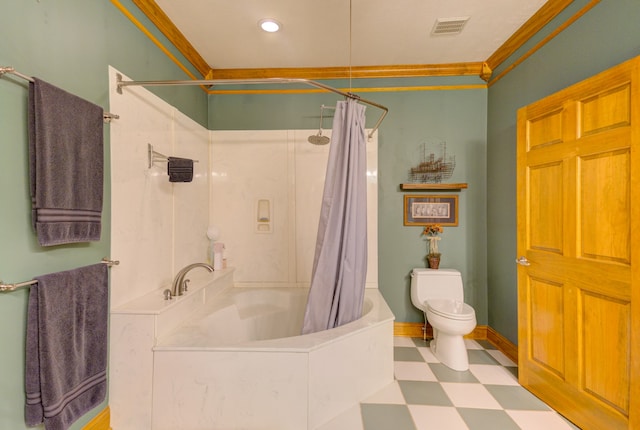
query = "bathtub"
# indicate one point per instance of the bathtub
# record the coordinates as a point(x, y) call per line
point(239, 362)
point(242, 317)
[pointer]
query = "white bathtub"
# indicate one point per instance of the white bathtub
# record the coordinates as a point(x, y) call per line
point(242, 316)
point(249, 317)
point(225, 357)
point(238, 362)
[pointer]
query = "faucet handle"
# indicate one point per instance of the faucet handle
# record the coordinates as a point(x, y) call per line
point(185, 285)
point(167, 294)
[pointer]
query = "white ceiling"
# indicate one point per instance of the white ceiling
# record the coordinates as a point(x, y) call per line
point(339, 33)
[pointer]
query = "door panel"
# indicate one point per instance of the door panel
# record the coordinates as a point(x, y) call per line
point(546, 206)
point(606, 349)
point(605, 206)
point(578, 222)
point(547, 345)
point(546, 129)
point(606, 110)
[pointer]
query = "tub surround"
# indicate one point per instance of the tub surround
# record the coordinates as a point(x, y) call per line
point(135, 328)
point(283, 168)
point(157, 227)
point(202, 283)
point(298, 382)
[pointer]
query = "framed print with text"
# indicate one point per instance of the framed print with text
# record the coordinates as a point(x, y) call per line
point(423, 210)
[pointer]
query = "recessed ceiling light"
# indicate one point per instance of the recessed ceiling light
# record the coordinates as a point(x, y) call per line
point(269, 25)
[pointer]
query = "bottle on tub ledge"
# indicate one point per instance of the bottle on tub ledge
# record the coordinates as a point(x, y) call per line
point(213, 233)
point(218, 256)
point(224, 256)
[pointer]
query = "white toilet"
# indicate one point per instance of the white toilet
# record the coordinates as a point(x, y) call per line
point(439, 294)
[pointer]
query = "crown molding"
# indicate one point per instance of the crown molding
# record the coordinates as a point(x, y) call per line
point(534, 24)
point(157, 16)
point(483, 69)
point(544, 41)
point(358, 72)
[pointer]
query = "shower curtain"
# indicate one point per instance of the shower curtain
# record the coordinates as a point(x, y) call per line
point(340, 263)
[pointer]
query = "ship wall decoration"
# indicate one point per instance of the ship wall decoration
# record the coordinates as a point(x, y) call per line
point(435, 165)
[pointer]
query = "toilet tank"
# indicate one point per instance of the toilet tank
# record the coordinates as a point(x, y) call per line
point(427, 284)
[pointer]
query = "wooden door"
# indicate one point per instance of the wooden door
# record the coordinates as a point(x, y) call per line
point(578, 177)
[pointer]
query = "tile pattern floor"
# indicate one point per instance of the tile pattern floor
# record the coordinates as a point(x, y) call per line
point(429, 395)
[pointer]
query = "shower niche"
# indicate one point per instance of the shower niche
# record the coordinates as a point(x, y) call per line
point(263, 216)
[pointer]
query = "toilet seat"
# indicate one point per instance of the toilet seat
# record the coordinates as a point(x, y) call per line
point(452, 309)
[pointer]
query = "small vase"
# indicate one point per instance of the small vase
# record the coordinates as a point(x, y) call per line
point(434, 262)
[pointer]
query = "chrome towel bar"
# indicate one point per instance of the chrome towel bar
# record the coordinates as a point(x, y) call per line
point(154, 156)
point(12, 287)
point(107, 117)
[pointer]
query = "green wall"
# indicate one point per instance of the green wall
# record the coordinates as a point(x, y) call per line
point(607, 35)
point(456, 116)
point(68, 43)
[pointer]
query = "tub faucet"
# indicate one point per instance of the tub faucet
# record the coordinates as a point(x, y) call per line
point(177, 288)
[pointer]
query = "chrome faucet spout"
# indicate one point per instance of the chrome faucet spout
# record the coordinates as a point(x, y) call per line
point(177, 288)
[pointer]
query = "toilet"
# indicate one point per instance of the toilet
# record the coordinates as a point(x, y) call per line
point(439, 294)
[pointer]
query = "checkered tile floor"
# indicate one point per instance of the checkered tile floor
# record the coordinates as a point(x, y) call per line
point(429, 395)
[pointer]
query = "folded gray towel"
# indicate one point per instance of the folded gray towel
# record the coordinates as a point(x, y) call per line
point(180, 169)
point(66, 165)
point(66, 346)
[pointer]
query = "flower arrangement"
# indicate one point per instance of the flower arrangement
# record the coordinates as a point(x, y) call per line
point(432, 231)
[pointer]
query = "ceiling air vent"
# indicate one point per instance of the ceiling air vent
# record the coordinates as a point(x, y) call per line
point(444, 26)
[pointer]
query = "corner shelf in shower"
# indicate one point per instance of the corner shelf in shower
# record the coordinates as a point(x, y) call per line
point(433, 187)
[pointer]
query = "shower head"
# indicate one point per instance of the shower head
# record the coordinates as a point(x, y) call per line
point(318, 139)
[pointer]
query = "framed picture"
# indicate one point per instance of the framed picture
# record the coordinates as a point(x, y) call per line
point(423, 210)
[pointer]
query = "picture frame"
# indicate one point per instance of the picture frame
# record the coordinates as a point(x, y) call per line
point(433, 209)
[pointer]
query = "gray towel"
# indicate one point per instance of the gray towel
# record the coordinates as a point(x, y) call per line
point(66, 165)
point(180, 169)
point(66, 346)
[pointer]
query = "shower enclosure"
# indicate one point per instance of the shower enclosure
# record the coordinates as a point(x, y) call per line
point(283, 168)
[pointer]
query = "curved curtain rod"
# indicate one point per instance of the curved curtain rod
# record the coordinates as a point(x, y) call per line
point(120, 83)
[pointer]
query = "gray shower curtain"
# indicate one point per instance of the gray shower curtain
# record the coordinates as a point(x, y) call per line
point(340, 262)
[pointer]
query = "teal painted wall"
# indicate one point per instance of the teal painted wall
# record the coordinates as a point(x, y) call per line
point(607, 35)
point(69, 44)
point(457, 117)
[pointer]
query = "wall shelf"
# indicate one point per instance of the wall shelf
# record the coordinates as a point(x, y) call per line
point(433, 187)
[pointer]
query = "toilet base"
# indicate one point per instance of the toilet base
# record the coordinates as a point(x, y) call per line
point(450, 350)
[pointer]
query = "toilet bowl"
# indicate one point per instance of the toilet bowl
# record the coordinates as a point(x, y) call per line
point(439, 294)
point(451, 320)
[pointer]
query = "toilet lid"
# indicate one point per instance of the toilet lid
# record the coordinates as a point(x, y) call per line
point(452, 309)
